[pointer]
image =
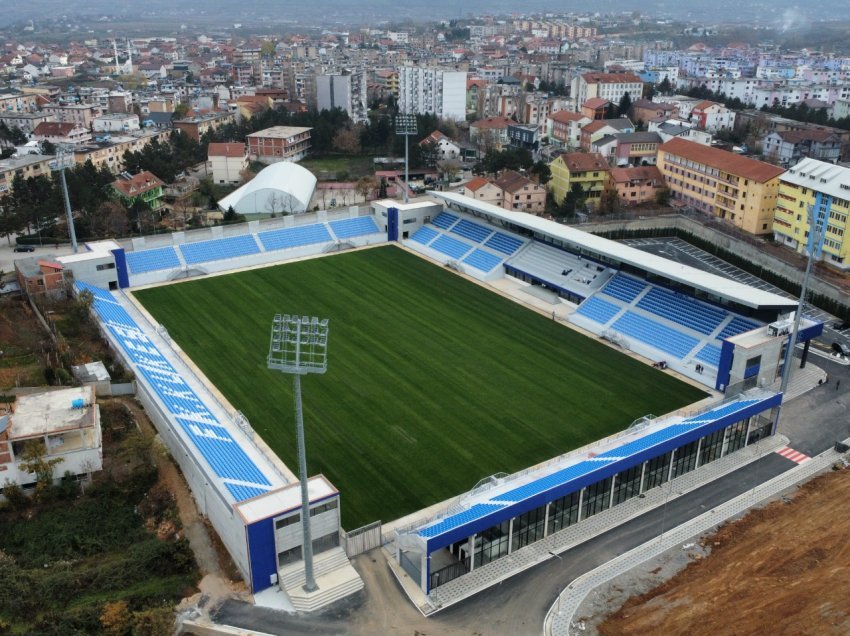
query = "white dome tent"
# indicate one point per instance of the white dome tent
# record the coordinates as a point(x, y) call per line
point(282, 187)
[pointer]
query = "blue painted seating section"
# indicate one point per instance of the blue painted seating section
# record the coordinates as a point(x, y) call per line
point(598, 310)
point(424, 235)
point(479, 259)
point(503, 243)
point(450, 247)
point(97, 292)
point(551, 481)
point(213, 441)
point(648, 441)
point(624, 288)
point(736, 326)
point(682, 310)
point(241, 493)
point(294, 236)
point(444, 220)
point(218, 249)
point(222, 452)
point(655, 334)
point(717, 413)
point(152, 260)
point(471, 231)
point(710, 354)
point(475, 512)
point(348, 228)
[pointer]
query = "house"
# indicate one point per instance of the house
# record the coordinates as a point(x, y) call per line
point(61, 133)
point(713, 117)
point(564, 128)
point(41, 275)
point(482, 189)
point(788, 147)
point(439, 147)
point(490, 133)
point(280, 143)
point(601, 127)
point(636, 185)
point(812, 183)
point(667, 129)
point(629, 149)
point(198, 125)
point(144, 187)
point(596, 108)
point(644, 110)
point(116, 122)
point(250, 105)
point(524, 137)
point(521, 193)
point(721, 184)
point(588, 169)
point(226, 162)
point(63, 424)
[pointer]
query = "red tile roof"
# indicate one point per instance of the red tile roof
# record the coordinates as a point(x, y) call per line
point(512, 181)
point(584, 161)
point(475, 184)
point(642, 173)
point(54, 129)
point(227, 150)
point(722, 160)
point(493, 122)
point(566, 116)
point(137, 184)
point(596, 102)
point(611, 78)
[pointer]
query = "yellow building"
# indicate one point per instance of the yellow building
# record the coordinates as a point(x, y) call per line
point(737, 189)
point(589, 169)
point(812, 183)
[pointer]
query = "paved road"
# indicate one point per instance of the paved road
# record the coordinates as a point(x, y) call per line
point(518, 605)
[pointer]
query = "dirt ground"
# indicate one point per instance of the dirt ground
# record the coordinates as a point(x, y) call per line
point(782, 569)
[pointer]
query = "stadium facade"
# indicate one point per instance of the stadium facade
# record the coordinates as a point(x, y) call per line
point(726, 336)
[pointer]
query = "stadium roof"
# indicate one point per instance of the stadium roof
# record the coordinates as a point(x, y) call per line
point(685, 274)
point(281, 187)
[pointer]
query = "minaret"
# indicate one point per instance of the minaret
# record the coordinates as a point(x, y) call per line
point(129, 57)
point(115, 48)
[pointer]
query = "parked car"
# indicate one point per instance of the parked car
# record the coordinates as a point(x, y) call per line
point(841, 349)
point(841, 325)
point(24, 248)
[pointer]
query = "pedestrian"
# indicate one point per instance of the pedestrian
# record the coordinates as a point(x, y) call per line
point(553, 314)
point(837, 384)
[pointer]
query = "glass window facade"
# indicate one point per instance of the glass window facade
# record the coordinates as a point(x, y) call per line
point(496, 542)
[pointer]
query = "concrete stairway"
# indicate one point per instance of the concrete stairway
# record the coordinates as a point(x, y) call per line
point(334, 576)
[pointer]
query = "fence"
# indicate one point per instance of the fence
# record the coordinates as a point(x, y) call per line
point(362, 539)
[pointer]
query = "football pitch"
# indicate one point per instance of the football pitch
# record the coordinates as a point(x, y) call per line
point(433, 382)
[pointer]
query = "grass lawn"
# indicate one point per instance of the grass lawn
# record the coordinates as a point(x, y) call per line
point(433, 382)
point(328, 167)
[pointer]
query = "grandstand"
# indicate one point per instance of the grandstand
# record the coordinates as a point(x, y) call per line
point(717, 332)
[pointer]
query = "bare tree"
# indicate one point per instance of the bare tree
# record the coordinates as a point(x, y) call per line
point(448, 168)
point(365, 186)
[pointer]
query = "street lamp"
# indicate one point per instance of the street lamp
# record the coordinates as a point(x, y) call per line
point(405, 124)
point(62, 161)
point(298, 346)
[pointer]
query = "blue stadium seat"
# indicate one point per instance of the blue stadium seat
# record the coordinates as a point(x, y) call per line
point(295, 236)
point(624, 288)
point(218, 249)
point(444, 220)
point(451, 247)
point(152, 260)
point(682, 309)
point(485, 261)
point(348, 228)
point(475, 512)
point(598, 310)
point(471, 231)
point(655, 334)
point(710, 354)
point(503, 243)
point(424, 235)
point(738, 325)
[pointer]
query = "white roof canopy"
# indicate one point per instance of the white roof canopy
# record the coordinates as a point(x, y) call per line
point(282, 187)
point(685, 274)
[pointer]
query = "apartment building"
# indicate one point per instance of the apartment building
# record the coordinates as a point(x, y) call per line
point(788, 147)
point(26, 166)
point(521, 193)
point(61, 133)
point(712, 117)
point(80, 114)
point(347, 91)
point(610, 86)
point(110, 153)
point(588, 169)
point(227, 162)
point(25, 121)
point(13, 103)
point(722, 184)
point(637, 185)
point(196, 126)
point(280, 143)
point(564, 128)
point(431, 90)
point(482, 189)
point(823, 188)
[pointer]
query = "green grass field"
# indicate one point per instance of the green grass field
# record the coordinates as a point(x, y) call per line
point(433, 382)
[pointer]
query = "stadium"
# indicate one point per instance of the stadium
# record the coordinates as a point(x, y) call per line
point(494, 378)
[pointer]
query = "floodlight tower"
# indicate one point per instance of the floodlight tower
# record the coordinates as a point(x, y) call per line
point(405, 124)
point(62, 161)
point(818, 215)
point(299, 345)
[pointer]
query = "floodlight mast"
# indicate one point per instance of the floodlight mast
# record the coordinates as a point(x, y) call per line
point(299, 346)
point(406, 125)
point(59, 165)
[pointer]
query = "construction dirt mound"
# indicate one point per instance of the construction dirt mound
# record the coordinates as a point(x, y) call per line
point(782, 569)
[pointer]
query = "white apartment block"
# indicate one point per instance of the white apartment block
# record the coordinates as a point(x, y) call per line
point(345, 91)
point(431, 90)
point(610, 86)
